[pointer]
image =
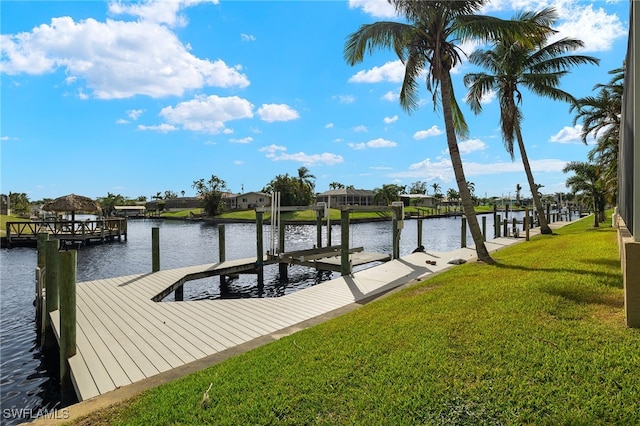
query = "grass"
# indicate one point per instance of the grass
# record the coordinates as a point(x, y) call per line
point(538, 338)
point(5, 218)
point(182, 213)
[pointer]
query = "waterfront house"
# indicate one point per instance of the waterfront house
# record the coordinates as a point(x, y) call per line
point(346, 196)
point(249, 200)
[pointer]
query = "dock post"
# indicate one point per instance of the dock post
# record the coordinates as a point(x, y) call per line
point(51, 282)
point(40, 269)
point(155, 249)
point(548, 213)
point(345, 265)
point(318, 229)
point(505, 226)
point(222, 249)
point(463, 232)
point(484, 228)
point(496, 225)
point(396, 223)
point(419, 232)
point(526, 224)
point(282, 267)
point(259, 250)
point(515, 227)
point(68, 267)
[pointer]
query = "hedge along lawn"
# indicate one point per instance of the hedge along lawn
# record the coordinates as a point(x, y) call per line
point(538, 338)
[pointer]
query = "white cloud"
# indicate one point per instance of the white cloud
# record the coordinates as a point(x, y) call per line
point(134, 114)
point(160, 12)
point(374, 143)
point(423, 134)
point(361, 128)
point(469, 146)
point(247, 37)
point(329, 126)
point(277, 112)
point(115, 59)
point(122, 121)
point(442, 169)
point(392, 71)
point(569, 135)
point(248, 139)
point(278, 153)
point(344, 99)
point(238, 162)
point(208, 114)
point(391, 96)
point(389, 120)
point(163, 128)
point(375, 8)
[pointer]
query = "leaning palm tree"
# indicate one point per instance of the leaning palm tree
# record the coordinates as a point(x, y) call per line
point(429, 42)
point(537, 67)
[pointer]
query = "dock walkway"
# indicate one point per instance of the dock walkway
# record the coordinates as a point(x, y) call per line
point(124, 336)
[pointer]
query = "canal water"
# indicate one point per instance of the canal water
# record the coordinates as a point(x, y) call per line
point(28, 382)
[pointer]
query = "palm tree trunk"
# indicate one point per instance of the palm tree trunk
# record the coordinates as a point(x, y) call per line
point(544, 226)
point(461, 180)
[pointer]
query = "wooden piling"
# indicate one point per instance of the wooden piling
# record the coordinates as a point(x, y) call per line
point(505, 227)
point(68, 267)
point(155, 249)
point(345, 265)
point(282, 267)
point(496, 225)
point(463, 232)
point(484, 228)
point(396, 224)
point(51, 281)
point(259, 249)
point(419, 232)
point(221, 249)
point(319, 229)
point(40, 269)
point(526, 224)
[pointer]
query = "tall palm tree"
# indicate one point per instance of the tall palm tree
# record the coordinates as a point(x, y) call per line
point(518, 190)
point(428, 42)
point(537, 67)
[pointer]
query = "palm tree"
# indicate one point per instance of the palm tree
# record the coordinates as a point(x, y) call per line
point(600, 116)
point(428, 42)
point(587, 181)
point(305, 185)
point(537, 67)
point(518, 190)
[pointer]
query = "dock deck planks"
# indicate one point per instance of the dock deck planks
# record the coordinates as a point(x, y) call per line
point(123, 336)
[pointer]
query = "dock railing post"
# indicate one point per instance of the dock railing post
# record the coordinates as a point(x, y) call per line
point(463, 232)
point(68, 267)
point(420, 232)
point(319, 214)
point(496, 224)
point(221, 249)
point(155, 249)
point(51, 282)
point(345, 264)
point(505, 227)
point(259, 249)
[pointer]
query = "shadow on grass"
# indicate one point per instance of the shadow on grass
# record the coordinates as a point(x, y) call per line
point(613, 280)
point(590, 298)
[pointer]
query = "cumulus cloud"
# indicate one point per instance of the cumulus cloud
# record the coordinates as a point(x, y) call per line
point(375, 8)
point(374, 143)
point(277, 112)
point(247, 37)
point(278, 153)
point(389, 120)
point(423, 134)
point(115, 59)
point(391, 96)
point(160, 12)
point(361, 128)
point(570, 135)
point(208, 114)
point(329, 126)
point(392, 71)
point(469, 146)
point(134, 114)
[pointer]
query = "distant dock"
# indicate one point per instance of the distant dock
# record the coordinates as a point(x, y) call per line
point(79, 232)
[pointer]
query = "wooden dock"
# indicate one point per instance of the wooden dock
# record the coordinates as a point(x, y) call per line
point(124, 336)
point(68, 232)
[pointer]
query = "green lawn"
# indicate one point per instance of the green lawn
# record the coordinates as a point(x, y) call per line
point(538, 338)
point(3, 222)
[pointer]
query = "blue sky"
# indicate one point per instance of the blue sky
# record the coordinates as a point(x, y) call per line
point(138, 98)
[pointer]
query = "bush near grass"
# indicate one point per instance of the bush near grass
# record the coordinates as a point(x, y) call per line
point(538, 338)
